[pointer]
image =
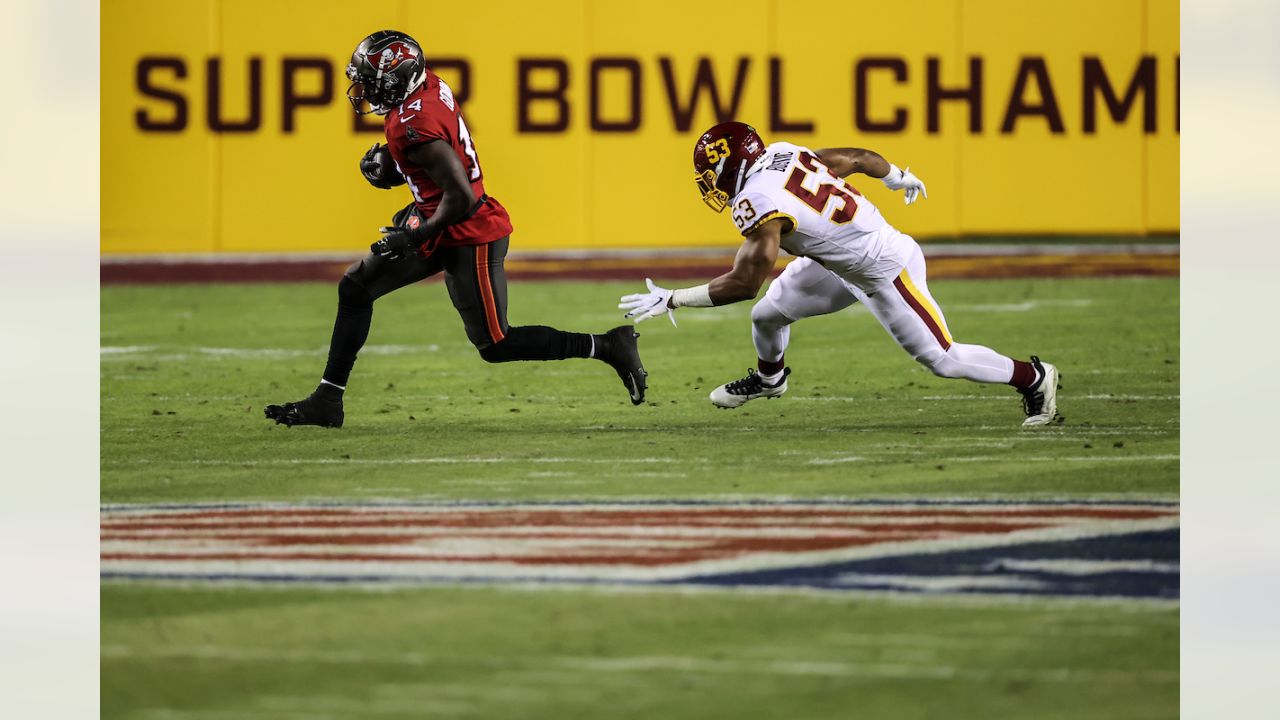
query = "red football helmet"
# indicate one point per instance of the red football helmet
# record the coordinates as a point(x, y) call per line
point(721, 160)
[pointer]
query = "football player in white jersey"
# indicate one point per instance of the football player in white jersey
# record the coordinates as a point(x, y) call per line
point(789, 196)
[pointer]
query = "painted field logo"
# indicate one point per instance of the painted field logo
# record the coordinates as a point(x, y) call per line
point(1123, 549)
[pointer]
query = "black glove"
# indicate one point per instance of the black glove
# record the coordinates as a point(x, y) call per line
point(398, 242)
point(379, 169)
point(395, 243)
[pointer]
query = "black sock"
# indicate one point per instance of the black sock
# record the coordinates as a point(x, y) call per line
point(328, 392)
point(538, 342)
point(350, 330)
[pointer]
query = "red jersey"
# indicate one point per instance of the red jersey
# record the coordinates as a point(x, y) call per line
point(431, 114)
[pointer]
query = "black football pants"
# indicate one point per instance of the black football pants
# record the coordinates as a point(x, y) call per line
point(477, 284)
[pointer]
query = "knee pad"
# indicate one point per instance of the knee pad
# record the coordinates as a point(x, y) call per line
point(353, 293)
point(939, 362)
point(765, 312)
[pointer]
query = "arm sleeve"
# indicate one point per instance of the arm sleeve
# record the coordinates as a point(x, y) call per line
point(753, 209)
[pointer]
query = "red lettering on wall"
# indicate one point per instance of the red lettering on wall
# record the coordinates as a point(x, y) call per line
point(553, 93)
point(862, 88)
point(704, 82)
point(142, 77)
point(545, 90)
point(292, 99)
point(776, 122)
point(1032, 68)
point(631, 67)
point(1096, 81)
point(935, 94)
point(213, 98)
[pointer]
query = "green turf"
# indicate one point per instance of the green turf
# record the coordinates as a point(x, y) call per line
point(552, 654)
point(186, 371)
point(182, 412)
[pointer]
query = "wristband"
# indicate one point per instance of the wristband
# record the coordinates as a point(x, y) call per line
point(894, 177)
point(699, 296)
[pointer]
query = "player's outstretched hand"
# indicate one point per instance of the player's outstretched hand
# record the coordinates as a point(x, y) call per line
point(395, 244)
point(905, 180)
point(645, 305)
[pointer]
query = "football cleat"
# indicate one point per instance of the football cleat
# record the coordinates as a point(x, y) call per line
point(317, 409)
point(622, 352)
point(738, 392)
point(1040, 402)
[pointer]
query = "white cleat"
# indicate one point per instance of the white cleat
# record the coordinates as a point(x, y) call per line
point(1041, 402)
point(738, 392)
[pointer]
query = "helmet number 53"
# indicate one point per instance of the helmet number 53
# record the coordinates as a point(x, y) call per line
point(718, 149)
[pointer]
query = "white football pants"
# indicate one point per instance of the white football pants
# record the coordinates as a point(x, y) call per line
point(903, 306)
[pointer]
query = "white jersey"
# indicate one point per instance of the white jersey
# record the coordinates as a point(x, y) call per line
point(831, 222)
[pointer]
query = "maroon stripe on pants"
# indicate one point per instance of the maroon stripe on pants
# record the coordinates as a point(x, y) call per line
point(914, 302)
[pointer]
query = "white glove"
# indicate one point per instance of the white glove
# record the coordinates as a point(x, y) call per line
point(904, 180)
point(643, 306)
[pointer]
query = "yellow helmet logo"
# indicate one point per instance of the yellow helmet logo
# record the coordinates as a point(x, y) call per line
point(717, 150)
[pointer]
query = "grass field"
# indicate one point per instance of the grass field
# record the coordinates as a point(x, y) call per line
point(187, 369)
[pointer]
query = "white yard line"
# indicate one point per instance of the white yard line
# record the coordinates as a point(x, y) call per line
point(1006, 397)
point(410, 461)
point(708, 502)
point(177, 352)
point(203, 528)
point(837, 460)
point(934, 457)
point(1021, 307)
point(651, 663)
point(1094, 396)
point(1067, 458)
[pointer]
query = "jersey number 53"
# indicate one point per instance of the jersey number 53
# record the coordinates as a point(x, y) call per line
point(808, 166)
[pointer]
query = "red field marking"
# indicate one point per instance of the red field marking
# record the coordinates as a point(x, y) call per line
point(623, 556)
point(481, 540)
point(401, 538)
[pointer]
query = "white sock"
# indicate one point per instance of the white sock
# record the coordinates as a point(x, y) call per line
point(771, 379)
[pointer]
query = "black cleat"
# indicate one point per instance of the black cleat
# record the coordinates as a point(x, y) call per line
point(318, 409)
point(620, 349)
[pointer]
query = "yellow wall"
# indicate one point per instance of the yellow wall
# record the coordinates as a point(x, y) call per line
point(197, 190)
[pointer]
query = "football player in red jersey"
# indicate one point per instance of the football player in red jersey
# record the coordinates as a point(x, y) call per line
point(452, 226)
